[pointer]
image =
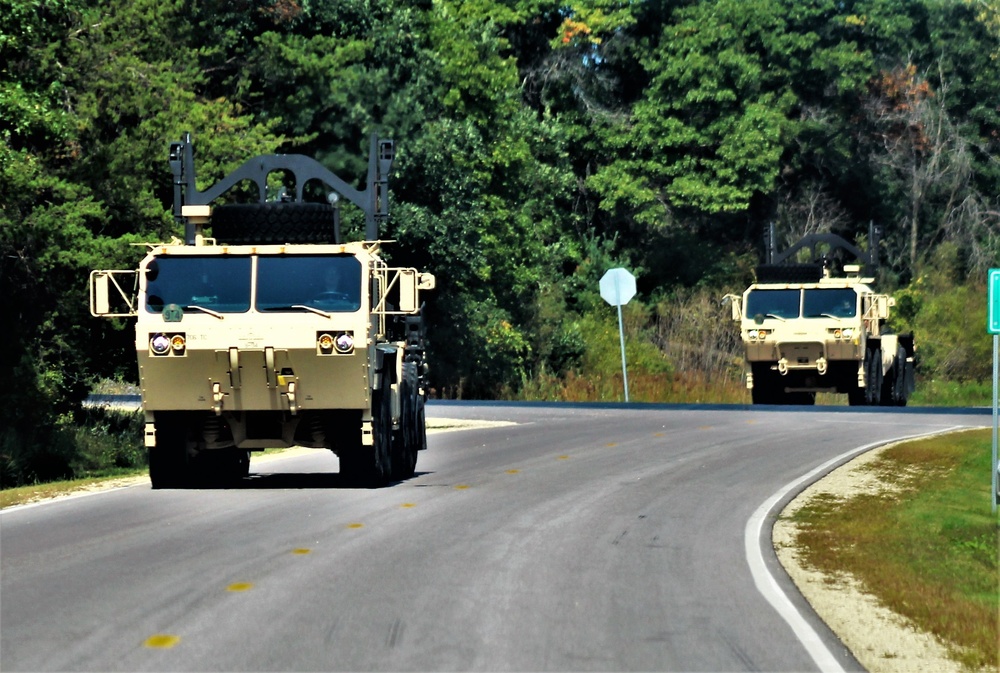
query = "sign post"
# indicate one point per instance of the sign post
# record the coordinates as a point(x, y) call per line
point(993, 327)
point(617, 288)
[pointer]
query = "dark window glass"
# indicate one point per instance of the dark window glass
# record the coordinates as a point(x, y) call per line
point(217, 283)
point(329, 283)
point(836, 302)
point(779, 303)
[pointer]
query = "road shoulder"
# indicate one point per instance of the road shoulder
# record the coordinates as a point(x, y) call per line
point(881, 640)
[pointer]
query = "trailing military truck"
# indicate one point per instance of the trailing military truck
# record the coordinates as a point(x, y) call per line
point(819, 327)
point(263, 329)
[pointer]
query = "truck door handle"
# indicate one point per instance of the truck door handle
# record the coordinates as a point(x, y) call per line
point(272, 378)
point(234, 368)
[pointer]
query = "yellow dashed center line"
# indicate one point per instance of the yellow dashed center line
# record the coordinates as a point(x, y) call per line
point(611, 444)
point(408, 505)
point(355, 525)
point(301, 551)
point(461, 487)
point(162, 641)
point(240, 586)
point(562, 457)
point(513, 471)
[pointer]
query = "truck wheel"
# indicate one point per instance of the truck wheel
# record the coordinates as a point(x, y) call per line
point(763, 391)
point(421, 425)
point(248, 223)
point(168, 459)
point(404, 459)
point(873, 378)
point(371, 466)
point(894, 392)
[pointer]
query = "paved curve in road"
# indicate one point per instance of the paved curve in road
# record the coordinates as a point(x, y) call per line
point(582, 538)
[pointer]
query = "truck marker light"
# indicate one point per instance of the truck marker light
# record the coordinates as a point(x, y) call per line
point(325, 343)
point(178, 343)
point(159, 344)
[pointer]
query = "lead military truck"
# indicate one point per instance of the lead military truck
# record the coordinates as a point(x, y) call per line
point(820, 327)
point(272, 331)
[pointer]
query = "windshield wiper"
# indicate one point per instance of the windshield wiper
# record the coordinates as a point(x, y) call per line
point(304, 307)
point(205, 310)
point(826, 315)
point(772, 315)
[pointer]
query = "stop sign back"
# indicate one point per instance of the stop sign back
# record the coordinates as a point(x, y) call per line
point(617, 286)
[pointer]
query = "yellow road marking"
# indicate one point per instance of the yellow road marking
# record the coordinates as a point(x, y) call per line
point(462, 487)
point(562, 457)
point(513, 471)
point(302, 551)
point(355, 525)
point(162, 641)
point(239, 586)
point(408, 505)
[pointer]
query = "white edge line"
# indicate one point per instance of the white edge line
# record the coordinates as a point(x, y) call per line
point(765, 582)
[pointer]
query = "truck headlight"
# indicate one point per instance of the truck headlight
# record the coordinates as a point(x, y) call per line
point(344, 343)
point(159, 344)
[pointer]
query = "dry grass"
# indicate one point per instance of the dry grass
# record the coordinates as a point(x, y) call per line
point(927, 547)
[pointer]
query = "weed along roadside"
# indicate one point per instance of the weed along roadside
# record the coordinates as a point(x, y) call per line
point(897, 552)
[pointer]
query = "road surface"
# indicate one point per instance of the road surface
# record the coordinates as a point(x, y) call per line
point(580, 538)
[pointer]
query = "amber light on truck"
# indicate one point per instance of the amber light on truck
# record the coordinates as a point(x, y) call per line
point(162, 344)
point(843, 333)
point(757, 334)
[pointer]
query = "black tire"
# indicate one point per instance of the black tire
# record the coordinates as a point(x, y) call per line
point(763, 391)
point(873, 377)
point(263, 223)
point(168, 460)
point(405, 441)
point(371, 466)
point(893, 384)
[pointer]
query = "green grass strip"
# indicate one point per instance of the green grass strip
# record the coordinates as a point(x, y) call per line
point(927, 547)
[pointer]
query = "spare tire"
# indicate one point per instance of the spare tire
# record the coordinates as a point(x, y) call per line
point(263, 223)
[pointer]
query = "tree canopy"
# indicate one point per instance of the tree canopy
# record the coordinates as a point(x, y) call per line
point(539, 141)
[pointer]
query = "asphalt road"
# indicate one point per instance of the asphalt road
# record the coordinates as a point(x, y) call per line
point(578, 539)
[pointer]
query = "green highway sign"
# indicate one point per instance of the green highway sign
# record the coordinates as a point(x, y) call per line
point(993, 302)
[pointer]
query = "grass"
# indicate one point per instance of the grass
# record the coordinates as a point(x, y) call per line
point(20, 495)
point(928, 548)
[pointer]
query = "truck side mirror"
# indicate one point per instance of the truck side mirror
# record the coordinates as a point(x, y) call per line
point(100, 304)
point(407, 290)
point(736, 302)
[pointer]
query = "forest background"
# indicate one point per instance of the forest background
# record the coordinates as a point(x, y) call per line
point(539, 143)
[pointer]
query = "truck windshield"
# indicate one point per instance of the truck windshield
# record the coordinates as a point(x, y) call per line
point(217, 283)
point(329, 283)
point(829, 302)
point(773, 303)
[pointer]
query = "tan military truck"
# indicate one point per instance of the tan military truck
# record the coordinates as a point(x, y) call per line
point(263, 329)
point(819, 327)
